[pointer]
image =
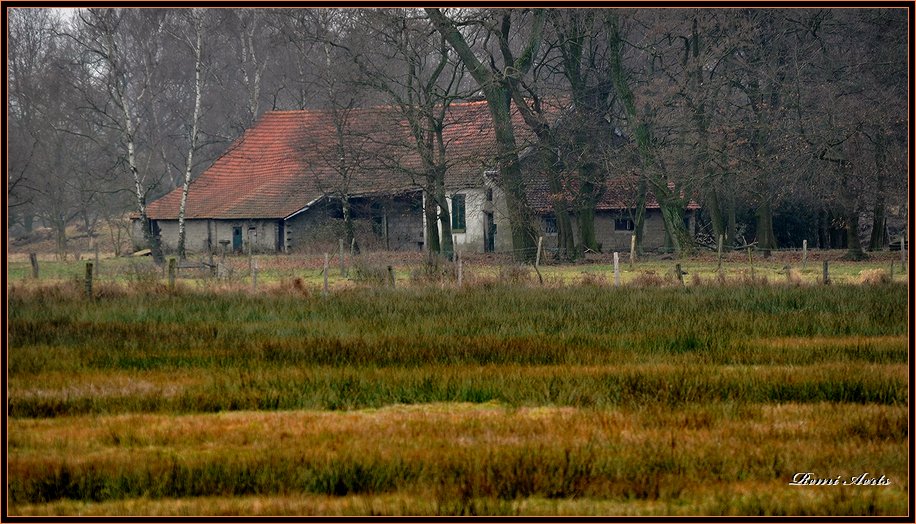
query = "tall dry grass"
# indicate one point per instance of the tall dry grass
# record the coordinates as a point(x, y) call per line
point(468, 459)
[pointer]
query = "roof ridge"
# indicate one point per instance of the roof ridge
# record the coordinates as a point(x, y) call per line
point(381, 107)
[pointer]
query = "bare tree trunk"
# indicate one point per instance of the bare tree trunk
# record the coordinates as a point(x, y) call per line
point(348, 223)
point(523, 234)
point(60, 230)
point(447, 247)
point(639, 218)
point(766, 239)
point(878, 226)
point(853, 244)
point(731, 231)
point(823, 239)
point(715, 213)
point(195, 121)
point(432, 221)
point(118, 84)
point(498, 101)
point(249, 58)
point(878, 233)
point(566, 242)
point(590, 192)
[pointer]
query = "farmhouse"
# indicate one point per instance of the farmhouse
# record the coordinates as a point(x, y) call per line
point(286, 184)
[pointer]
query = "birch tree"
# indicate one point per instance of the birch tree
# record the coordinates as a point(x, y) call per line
point(126, 58)
point(194, 41)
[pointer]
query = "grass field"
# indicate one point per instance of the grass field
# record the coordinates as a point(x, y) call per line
point(572, 398)
point(412, 268)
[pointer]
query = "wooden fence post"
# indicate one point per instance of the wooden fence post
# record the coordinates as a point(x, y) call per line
point(616, 268)
point(391, 276)
point(826, 274)
point(327, 261)
point(172, 274)
point(33, 258)
point(804, 255)
point(632, 250)
point(89, 280)
point(254, 276)
point(537, 256)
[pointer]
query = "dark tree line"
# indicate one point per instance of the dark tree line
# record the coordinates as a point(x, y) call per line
point(774, 121)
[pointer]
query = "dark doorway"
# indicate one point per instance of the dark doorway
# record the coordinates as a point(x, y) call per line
point(489, 233)
point(237, 238)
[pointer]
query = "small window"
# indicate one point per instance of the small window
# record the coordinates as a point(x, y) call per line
point(623, 224)
point(550, 225)
point(458, 214)
point(489, 194)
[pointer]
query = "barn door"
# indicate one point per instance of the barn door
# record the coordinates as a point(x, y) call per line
point(489, 233)
point(237, 238)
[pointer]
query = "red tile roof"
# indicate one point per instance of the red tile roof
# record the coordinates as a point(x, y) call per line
point(289, 159)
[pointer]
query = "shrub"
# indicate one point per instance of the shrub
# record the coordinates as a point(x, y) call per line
point(874, 276)
point(144, 275)
point(434, 270)
point(592, 280)
point(514, 274)
point(648, 279)
point(369, 270)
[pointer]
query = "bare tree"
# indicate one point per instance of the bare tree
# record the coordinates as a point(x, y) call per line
point(496, 84)
point(194, 40)
point(413, 68)
point(666, 187)
point(124, 47)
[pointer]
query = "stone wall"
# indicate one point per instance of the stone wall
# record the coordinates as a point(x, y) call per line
point(203, 235)
point(611, 239)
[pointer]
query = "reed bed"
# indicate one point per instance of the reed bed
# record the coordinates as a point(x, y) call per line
point(464, 455)
point(431, 400)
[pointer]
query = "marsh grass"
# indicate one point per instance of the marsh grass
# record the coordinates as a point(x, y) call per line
point(592, 345)
point(327, 387)
point(491, 399)
point(469, 459)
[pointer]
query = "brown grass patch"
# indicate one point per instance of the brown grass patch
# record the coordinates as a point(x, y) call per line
point(874, 277)
point(649, 279)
